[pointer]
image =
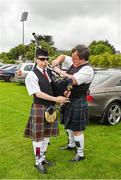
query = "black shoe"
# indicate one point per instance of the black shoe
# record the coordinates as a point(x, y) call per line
point(41, 168)
point(67, 148)
point(77, 158)
point(47, 162)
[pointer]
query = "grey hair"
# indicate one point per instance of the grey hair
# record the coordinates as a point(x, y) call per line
point(83, 51)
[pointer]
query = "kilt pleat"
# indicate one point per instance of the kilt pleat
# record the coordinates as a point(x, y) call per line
point(37, 127)
point(75, 114)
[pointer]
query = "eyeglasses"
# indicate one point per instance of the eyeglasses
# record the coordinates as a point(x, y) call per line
point(43, 59)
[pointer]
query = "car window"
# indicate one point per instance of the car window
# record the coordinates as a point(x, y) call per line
point(19, 66)
point(6, 66)
point(28, 67)
point(99, 78)
point(118, 83)
point(11, 68)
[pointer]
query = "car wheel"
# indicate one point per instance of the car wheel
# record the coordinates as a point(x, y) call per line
point(112, 114)
point(11, 79)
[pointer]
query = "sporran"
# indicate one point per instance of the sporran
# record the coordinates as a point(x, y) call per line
point(50, 114)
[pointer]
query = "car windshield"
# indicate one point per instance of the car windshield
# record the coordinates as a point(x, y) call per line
point(28, 67)
point(99, 78)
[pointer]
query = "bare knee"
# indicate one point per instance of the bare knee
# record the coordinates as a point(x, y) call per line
point(77, 133)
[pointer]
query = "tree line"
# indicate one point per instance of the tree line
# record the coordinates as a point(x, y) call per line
point(103, 54)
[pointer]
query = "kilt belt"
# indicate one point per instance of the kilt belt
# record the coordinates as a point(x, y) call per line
point(37, 128)
point(75, 114)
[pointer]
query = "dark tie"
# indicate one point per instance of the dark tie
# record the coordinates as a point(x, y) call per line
point(45, 74)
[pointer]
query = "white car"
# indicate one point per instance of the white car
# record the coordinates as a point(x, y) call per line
point(22, 70)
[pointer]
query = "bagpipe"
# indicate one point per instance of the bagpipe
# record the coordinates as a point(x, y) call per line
point(59, 84)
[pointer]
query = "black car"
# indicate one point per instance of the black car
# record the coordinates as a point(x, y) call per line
point(8, 73)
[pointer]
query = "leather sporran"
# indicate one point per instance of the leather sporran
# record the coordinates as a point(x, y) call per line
point(50, 114)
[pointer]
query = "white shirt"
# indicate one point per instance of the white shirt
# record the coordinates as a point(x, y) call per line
point(31, 82)
point(66, 63)
point(84, 75)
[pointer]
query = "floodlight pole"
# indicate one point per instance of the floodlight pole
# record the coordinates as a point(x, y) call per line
point(23, 18)
point(23, 33)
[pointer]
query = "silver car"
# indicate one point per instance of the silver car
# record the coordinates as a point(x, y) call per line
point(22, 70)
point(104, 99)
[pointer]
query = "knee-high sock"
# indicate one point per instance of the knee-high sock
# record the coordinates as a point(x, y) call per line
point(71, 138)
point(79, 141)
point(46, 140)
point(39, 155)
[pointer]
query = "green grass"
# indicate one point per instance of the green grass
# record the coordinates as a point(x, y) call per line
point(102, 144)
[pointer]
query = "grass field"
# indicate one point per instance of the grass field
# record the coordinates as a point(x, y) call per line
point(102, 144)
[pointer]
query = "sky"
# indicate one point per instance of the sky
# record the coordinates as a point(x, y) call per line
point(69, 22)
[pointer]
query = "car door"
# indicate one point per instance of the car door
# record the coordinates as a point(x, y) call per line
point(118, 87)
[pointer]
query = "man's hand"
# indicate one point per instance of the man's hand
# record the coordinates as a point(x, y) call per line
point(67, 93)
point(55, 62)
point(62, 99)
point(59, 60)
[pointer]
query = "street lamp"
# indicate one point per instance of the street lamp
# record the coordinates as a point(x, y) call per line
point(23, 18)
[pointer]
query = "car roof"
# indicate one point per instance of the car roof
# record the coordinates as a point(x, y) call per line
point(6, 66)
point(24, 64)
point(108, 71)
point(28, 63)
point(10, 67)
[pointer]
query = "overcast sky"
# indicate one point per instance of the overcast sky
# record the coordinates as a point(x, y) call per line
point(70, 22)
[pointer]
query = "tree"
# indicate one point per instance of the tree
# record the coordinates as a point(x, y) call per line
point(48, 47)
point(17, 51)
point(47, 38)
point(106, 60)
point(28, 51)
point(100, 47)
point(4, 57)
point(30, 54)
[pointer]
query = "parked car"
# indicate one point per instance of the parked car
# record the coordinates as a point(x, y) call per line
point(22, 70)
point(8, 73)
point(5, 66)
point(104, 99)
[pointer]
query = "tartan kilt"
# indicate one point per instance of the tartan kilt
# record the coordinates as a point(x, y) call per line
point(75, 114)
point(37, 127)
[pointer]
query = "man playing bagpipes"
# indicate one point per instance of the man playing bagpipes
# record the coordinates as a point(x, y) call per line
point(42, 123)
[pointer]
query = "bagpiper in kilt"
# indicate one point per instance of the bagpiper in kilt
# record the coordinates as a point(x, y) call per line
point(74, 115)
point(38, 83)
